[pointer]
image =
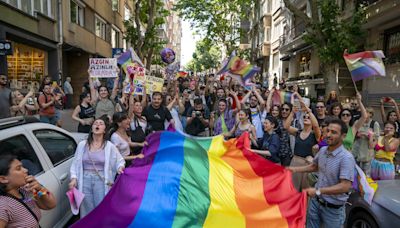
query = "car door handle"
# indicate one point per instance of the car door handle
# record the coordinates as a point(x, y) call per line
point(64, 177)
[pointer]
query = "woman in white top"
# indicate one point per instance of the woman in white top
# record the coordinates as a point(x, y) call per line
point(120, 137)
point(94, 167)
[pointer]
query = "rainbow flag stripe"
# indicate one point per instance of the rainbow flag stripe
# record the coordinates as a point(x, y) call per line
point(365, 64)
point(200, 182)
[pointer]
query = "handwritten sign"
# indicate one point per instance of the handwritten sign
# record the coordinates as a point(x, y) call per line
point(153, 84)
point(103, 67)
point(139, 82)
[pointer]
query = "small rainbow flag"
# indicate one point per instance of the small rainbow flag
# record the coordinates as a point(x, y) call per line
point(365, 185)
point(128, 57)
point(181, 74)
point(200, 182)
point(365, 64)
point(236, 66)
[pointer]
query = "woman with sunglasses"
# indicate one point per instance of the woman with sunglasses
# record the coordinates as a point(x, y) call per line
point(353, 127)
point(382, 167)
point(304, 142)
point(285, 150)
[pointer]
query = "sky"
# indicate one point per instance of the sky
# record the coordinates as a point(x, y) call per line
point(188, 43)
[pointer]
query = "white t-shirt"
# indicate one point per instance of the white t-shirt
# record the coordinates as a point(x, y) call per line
point(121, 144)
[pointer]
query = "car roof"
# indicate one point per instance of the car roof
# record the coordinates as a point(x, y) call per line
point(17, 121)
point(388, 196)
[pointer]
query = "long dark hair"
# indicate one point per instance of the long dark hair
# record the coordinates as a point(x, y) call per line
point(104, 118)
point(248, 113)
point(351, 115)
point(118, 117)
point(5, 165)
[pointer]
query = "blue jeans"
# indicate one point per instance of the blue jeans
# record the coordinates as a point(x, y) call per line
point(93, 188)
point(318, 214)
point(48, 119)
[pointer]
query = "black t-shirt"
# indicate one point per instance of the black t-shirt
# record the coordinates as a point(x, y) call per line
point(356, 115)
point(156, 117)
point(303, 148)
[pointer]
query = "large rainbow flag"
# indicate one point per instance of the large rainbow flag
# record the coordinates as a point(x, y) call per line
point(200, 182)
point(365, 64)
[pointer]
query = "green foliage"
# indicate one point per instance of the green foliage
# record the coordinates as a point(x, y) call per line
point(216, 20)
point(206, 56)
point(330, 33)
point(142, 29)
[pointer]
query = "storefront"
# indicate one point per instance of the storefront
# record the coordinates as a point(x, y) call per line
point(26, 67)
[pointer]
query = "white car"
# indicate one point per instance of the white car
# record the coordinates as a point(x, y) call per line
point(47, 152)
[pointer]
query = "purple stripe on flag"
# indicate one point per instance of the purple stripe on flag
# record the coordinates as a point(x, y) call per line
point(124, 57)
point(362, 73)
point(128, 191)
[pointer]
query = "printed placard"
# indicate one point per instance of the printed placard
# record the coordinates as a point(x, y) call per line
point(139, 82)
point(103, 67)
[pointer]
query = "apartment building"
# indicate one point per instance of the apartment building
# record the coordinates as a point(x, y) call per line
point(56, 38)
point(174, 30)
point(383, 33)
point(260, 36)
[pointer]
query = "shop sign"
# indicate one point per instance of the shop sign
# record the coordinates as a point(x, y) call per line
point(5, 48)
point(103, 67)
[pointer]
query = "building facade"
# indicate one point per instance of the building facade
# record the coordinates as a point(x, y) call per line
point(56, 38)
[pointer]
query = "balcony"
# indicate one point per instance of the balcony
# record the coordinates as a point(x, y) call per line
point(292, 38)
point(380, 12)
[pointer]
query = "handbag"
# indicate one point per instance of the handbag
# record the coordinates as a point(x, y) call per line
point(137, 135)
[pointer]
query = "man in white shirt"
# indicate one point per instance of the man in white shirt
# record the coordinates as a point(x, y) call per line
point(69, 92)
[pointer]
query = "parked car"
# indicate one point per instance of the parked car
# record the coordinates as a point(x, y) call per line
point(384, 211)
point(47, 152)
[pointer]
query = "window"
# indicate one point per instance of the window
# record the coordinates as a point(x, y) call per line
point(31, 6)
point(58, 146)
point(100, 27)
point(115, 34)
point(115, 5)
point(20, 147)
point(77, 13)
point(276, 61)
point(127, 13)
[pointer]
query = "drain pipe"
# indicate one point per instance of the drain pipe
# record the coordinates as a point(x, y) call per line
point(60, 41)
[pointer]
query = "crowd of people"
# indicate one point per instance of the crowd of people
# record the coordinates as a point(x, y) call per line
point(319, 142)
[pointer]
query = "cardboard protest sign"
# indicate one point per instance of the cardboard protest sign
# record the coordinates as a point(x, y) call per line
point(103, 68)
point(153, 84)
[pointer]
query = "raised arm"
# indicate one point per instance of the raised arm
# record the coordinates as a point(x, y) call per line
point(287, 122)
point(234, 95)
point(246, 97)
point(314, 121)
point(269, 101)
point(396, 107)
point(383, 114)
point(93, 92)
point(260, 99)
point(115, 89)
point(360, 122)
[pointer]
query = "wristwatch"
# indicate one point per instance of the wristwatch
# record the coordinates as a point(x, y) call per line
point(318, 192)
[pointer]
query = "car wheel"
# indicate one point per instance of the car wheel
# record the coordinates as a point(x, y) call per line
point(361, 220)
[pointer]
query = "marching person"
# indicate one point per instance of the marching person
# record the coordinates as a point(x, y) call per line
point(21, 195)
point(335, 166)
point(95, 165)
point(84, 113)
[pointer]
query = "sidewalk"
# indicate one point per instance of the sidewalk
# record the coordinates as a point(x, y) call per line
point(67, 122)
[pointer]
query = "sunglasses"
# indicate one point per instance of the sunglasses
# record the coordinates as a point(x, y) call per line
point(346, 114)
point(320, 107)
point(306, 117)
point(285, 109)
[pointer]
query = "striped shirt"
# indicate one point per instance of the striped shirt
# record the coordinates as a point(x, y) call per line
point(332, 167)
point(17, 215)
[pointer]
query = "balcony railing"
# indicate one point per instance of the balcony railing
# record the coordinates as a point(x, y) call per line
point(293, 33)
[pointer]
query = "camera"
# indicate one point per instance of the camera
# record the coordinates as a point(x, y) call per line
point(30, 101)
point(198, 113)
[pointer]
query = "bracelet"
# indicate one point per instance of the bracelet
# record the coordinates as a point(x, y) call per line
point(43, 191)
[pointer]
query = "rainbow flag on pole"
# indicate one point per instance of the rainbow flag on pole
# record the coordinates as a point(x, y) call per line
point(364, 185)
point(128, 57)
point(238, 67)
point(365, 64)
point(200, 182)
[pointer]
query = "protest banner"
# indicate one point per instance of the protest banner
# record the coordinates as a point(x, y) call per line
point(103, 67)
point(153, 84)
